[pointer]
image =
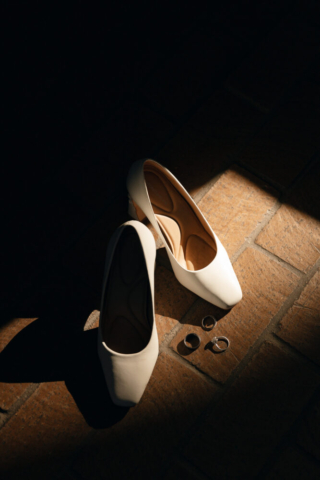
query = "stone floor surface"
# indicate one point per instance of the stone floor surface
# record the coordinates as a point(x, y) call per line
point(228, 98)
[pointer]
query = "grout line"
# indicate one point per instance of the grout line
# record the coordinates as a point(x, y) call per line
point(242, 164)
point(219, 394)
point(165, 346)
point(193, 368)
point(267, 335)
point(250, 239)
point(250, 242)
point(292, 351)
point(306, 452)
point(285, 190)
point(303, 173)
point(239, 252)
point(277, 259)
point(181, 461)
point(196, 426)
point(18, 404)
point(289, 439)
point(183, 321)
point(268, 332)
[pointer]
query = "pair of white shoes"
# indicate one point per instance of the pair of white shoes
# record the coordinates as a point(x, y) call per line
point(127, 337)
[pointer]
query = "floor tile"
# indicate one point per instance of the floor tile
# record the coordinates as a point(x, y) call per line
point(293, 234)
point(10, 392)
point(300, 325)
point(265, 285)
point(295, 465)
point(253, 415)
point(39, 439)
point(235, 205)
point(149, 432)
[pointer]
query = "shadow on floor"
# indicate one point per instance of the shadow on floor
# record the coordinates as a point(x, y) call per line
point(43, 352)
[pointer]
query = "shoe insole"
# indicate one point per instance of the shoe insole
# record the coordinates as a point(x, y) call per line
point(127, 316)
point(190, 243)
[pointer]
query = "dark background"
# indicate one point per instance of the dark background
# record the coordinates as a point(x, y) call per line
point(88, 91)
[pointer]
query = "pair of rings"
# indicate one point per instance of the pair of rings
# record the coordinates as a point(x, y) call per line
point(192, 340)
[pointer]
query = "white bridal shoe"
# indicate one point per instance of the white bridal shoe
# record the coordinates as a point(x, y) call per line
point(127, 336)
point(198, 259)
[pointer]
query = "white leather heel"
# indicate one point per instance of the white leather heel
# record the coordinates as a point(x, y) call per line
point(134, 211)
point(127, 336)
point(131, 210)
point(198, 259)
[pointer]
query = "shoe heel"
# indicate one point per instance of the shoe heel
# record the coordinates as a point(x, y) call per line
point(134, 211)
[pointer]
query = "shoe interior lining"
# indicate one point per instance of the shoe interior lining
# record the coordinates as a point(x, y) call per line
point(190, 243)
point(127, 316)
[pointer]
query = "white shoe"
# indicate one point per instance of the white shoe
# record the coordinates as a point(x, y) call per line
point(198, 259)
point(127, 337)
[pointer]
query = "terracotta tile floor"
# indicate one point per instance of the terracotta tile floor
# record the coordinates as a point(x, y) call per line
point(228, 99)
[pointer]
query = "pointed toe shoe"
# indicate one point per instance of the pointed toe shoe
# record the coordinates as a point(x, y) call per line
point(127, 336)
point(198, 259)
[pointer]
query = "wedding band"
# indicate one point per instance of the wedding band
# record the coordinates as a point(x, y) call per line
point(192, 341)
point(205, 322)
point(215, 341)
